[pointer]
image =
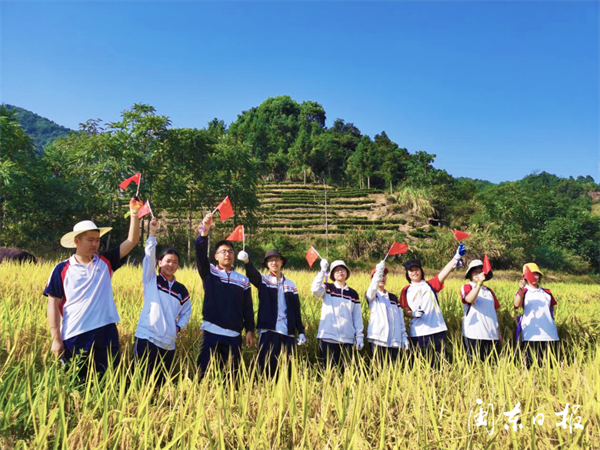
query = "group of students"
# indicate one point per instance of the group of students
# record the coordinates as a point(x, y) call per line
point(83, 315)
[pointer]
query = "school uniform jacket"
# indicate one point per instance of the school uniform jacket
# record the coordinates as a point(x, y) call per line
point(341, 316)
point(267, 286)
point(227, 295)
point(165, 307)
point(423, 296)
point(386, 322)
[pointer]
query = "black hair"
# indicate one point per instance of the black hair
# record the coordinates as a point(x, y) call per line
point(169, 251)
point(224, 242)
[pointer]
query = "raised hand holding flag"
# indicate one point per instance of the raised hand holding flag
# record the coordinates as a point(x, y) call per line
point(311, 256)
point(225, 209)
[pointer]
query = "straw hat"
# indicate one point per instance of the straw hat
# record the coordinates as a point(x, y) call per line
point(68, 240)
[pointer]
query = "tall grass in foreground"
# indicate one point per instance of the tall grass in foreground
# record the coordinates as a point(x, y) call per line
point(405, 406)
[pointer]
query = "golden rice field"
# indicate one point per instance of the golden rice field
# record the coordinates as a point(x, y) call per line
point(405, 406)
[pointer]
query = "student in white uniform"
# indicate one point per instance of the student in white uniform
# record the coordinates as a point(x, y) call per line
point(481, 328)
point(420, 302)
point(167, 308)
point(341, 324)
point(538, 328)
point(386, 331)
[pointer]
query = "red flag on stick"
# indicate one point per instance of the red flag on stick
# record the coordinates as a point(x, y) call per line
point(528, 275)
point(487, 266)
point(145, 210)
point(459, 235)
point(311, 256)
point(397, 248)
point(225, 209)
point(237, 234)
point(135, 178)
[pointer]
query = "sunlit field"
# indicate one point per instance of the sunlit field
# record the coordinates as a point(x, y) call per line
point(403, 406)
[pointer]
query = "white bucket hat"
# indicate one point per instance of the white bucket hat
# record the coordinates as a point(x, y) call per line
point(338, 263)
point(477, 263)
point(68, 240)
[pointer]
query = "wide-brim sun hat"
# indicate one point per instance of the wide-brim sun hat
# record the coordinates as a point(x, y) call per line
point(272, 253)
point(68, 240)
point(533, 267)
point(336, 264)
point(478, 263)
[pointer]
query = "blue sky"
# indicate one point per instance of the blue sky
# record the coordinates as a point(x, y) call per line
point(496, 90)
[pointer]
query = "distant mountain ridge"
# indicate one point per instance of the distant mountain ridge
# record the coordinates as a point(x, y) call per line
point(40, 129)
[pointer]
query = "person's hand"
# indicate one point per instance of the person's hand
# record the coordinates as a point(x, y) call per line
point(135, 205)
point(207, 223)
point(153, 226)
point(249, 339)
point(324, 265)
point(418, 313)
point(359, 345)
point(243, 256)
point(301, 339)
point(479, 278)
point(58, 347)
point(380, 268)
point(522, 283)
point(460, 251)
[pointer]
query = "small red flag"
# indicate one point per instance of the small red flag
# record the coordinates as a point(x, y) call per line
point(528, 275)
point(311, 256)
point(459, 235)
point(125, 183)
point(225, 209)
point(145, 210)
point(237, 234)
point(397, 248)
point(487, 266)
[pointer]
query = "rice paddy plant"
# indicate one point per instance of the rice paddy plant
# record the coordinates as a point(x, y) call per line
point(368, 405)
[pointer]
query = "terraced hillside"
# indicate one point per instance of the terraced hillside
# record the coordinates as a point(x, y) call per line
point(300, 209)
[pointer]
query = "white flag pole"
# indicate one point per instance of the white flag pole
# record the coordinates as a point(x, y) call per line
point(137, 193)
point(326, 228)
point(243, 239)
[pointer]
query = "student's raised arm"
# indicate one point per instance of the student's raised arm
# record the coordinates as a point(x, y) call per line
point(149, 263)
point(460, 252)
point(377, 276)
point(134, 228)
point(519, 295)
point(318, 288)
point(201, 245)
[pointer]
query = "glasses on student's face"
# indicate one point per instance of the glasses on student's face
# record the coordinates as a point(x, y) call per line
point(225, 252)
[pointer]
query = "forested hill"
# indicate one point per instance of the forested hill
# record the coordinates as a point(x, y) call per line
point(374, 185)
point(40, 129)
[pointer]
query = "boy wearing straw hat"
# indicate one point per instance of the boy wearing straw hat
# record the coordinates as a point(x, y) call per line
point(81, 310)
